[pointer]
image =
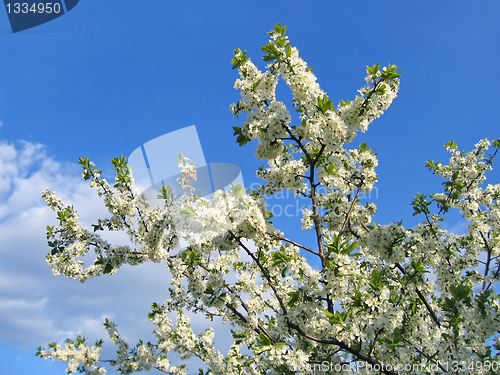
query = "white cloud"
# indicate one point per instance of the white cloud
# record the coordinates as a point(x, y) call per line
point(37, 307)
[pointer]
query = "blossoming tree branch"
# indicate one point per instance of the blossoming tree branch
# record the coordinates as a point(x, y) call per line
point(383, 296)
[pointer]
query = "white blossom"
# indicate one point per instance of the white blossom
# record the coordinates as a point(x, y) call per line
point(358, 292)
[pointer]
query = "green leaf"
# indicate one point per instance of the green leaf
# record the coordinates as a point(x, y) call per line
point(460, 292)
point(324, 104)
point(330, 169)
point(108, 268)
point(80, 340)
point(417, 266)
point(420, 205)
point(242, 138)
point(238, 334)
point(237, 190)
point(166, 192)
point(390, 73)
point(294, 298)
point(272, 52)
point(50, 231)
point(430, 164)
point(451, 144)
point(349, 248)
point(240, 58)
point(256, 84)
point(188, 211)
point(397, 336)
point(278, 29)
point(264, 340)
point(374, 69)
point(280, 345)
point(337, 317)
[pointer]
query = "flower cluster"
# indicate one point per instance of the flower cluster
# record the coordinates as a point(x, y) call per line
point(382, 295)
point(78, 354)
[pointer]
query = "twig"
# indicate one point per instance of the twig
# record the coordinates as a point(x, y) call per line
point(293, 243)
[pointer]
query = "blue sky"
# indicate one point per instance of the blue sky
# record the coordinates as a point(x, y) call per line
point(111, 75)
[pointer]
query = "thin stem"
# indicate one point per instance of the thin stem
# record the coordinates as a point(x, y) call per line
point(422, 298)
point(293, 243)
point(264, 272)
